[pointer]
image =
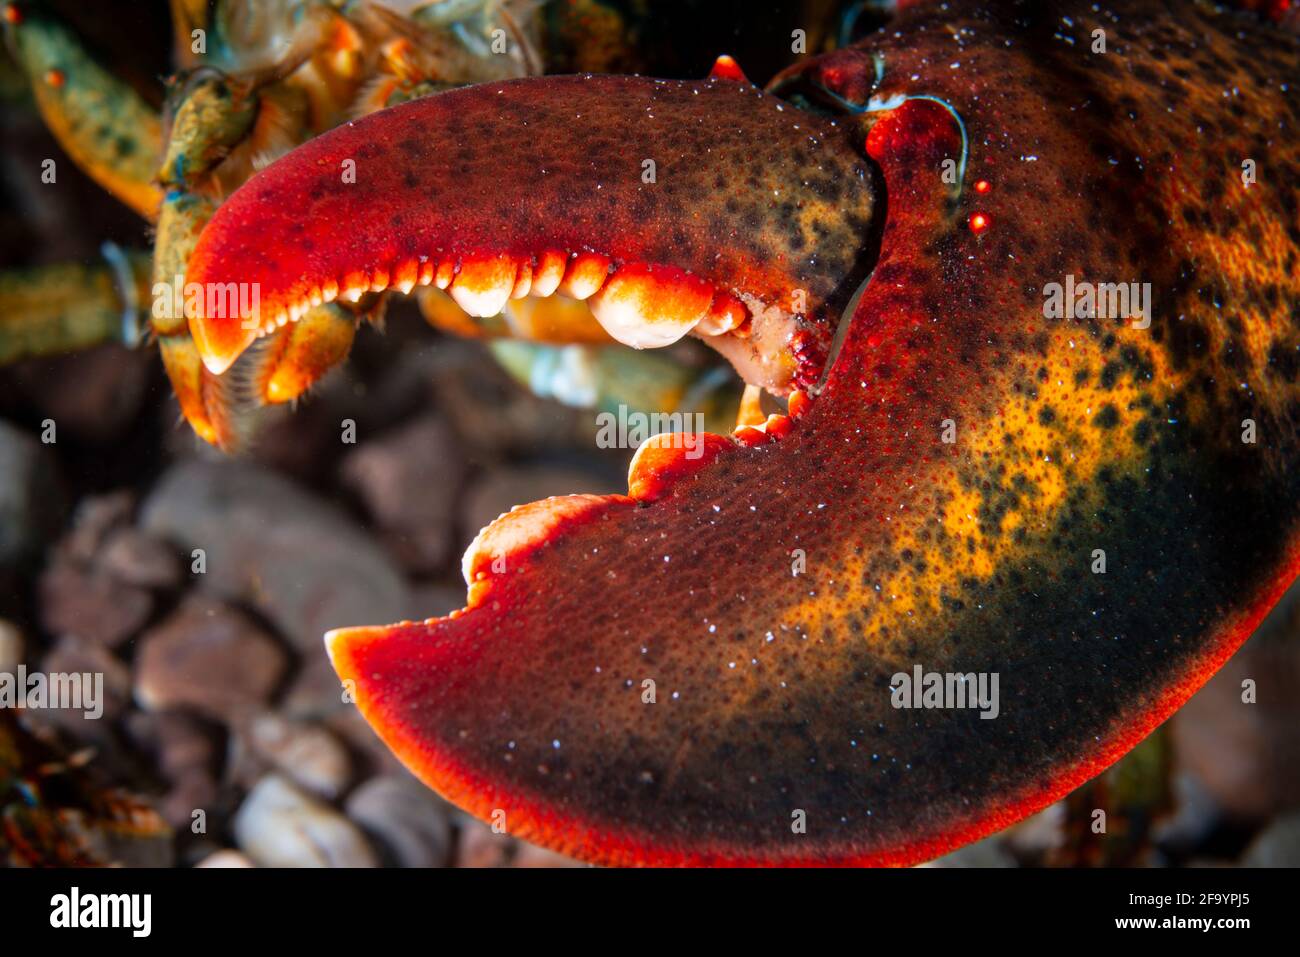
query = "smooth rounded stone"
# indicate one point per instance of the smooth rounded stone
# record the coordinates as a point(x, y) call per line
point(268, 543)
point(500, 490)
point(407, 822)
point(226, 857)
point(305, 752)
point(79, 600)
point(209, 657)
point(279, 825)
point(11, 647)
point(136, 558)
point(32, 503)
point(1278, 845)
point(479, 846)
point(408, 479)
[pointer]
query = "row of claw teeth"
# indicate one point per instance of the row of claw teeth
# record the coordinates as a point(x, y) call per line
point(639, 305)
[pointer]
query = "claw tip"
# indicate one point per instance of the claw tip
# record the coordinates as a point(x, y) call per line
point(220, 344)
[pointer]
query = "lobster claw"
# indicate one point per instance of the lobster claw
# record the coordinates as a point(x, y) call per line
point(842, 638)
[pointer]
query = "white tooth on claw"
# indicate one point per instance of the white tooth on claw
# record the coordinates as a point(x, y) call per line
point(587, 272)
point(480, 303)
point(482, 287)
point(523, 281)
point(406, 275)
point(355, 285)
point(648, 308)
point(548, 273)
point(726, 313)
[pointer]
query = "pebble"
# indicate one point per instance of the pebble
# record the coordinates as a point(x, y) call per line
point(408, 479)
point(76, 656)
point(96, 516)
point(406, 820)
point(209, 657)
point(136, 558)
point(279, 825)
point(80, 600)
point(302, 563)
point(226, 857)
point(307, 753)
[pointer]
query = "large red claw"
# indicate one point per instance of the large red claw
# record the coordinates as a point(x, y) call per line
point(1002, 544)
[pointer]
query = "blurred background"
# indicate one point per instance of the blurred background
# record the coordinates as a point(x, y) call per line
point(224, 739)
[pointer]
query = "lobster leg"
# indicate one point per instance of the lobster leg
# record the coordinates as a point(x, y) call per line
point(75, 96)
